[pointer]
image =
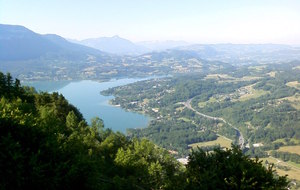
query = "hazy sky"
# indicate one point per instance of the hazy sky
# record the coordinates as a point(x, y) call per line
point(202, 21)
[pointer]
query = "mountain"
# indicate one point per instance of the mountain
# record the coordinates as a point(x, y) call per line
point(19, 43)
point(245, 53)
point(171, 54)
point(162, 45)
point(121, 46)
point(32, 56)
point(114, 45)
point(68, 46)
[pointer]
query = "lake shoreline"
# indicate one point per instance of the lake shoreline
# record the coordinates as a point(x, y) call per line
point(86, 96)
point(132, 111)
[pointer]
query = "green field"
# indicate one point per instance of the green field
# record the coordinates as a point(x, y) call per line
point(253, 93)
point(211, 100)
point(258, 68)
point(294, 84)
point(222, 141)
point(298, 67)
point(293, 172)
point(291, 149)
point(219, 76)
point(272, 73)
point(296, 141)
point(184, 119)
point(294, 100)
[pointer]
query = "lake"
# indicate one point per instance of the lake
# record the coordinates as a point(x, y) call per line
point(85, 95)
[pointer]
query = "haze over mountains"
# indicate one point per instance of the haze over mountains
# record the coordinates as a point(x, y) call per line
point(120, 46)
point(114, 45)
point(29, 55)
point(19, 43)
point(162, 45)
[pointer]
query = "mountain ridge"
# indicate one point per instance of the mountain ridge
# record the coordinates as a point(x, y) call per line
point(20, 43)
point(114, 45)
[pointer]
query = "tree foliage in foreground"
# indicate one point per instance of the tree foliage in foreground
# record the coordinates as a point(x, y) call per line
point(230, 169)
point(45, 143)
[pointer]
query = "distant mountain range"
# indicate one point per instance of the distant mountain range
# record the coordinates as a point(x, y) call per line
point(120, 46)
point(33, 56)
point(20, 43)
point(162, 45)
point(245, 53)
point(114, 45)
point(232, 53)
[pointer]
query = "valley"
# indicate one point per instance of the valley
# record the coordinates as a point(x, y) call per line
point(150, 95)
point(246, 107)
point(86, 97)
point(30, 56)
point(195, 95)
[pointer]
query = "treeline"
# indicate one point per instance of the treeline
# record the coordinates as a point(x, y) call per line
point(45, 143)
point(164, 94)
point(10, 88)
point(254, 152)
point(286, 156)
point(264, 119)
point(173, 134)
point(187, 87)
point(266, 110)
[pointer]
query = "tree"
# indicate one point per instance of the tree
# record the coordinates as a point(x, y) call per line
point(71, 120)
point(45, 143)
point(147, 166)
point(230, 169)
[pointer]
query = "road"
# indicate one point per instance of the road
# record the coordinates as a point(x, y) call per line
point(188, 105)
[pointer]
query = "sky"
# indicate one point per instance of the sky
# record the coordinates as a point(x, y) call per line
point(195, 21)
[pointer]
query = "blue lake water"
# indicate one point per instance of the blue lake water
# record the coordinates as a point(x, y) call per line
point(85, 95)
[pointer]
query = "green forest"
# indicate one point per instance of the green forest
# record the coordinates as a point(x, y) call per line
point(256, 107)
point(262, 102)
point(46, 143)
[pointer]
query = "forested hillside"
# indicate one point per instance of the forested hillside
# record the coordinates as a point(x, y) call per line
point(45, 143)
point(262, 102)
point(256, 107)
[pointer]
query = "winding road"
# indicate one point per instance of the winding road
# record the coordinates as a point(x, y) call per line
point(188, 105)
